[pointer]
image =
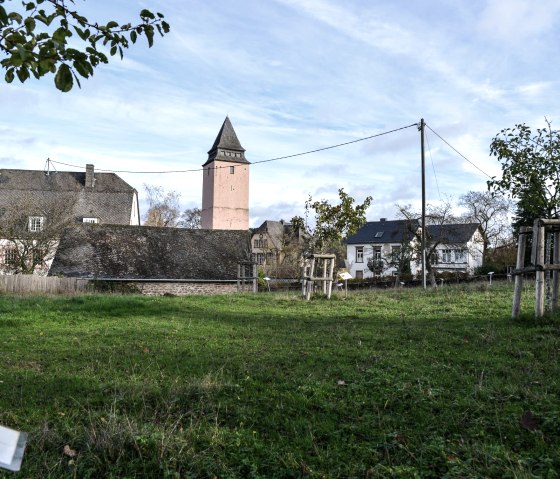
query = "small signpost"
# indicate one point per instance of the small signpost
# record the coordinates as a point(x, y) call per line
point(345, 276)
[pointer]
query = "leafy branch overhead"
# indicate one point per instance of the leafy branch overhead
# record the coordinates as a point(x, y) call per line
point(52, 37)
point(530, 170)
point(332, 223)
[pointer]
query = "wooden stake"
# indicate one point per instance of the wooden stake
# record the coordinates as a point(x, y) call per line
point(518, 288)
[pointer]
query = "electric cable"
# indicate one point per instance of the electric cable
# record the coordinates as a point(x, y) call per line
point(253, 163)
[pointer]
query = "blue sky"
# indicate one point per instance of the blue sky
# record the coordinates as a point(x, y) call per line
point(296, 75)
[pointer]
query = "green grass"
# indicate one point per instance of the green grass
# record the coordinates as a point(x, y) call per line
point(397, 383)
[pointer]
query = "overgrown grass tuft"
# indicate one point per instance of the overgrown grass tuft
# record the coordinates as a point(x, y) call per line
point(396, 383)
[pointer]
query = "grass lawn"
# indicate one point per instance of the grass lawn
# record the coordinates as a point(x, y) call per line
point(396, 383)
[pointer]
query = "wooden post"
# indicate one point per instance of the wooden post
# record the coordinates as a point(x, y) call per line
point(518, 287)
point(539, 238)
point(331, 273)
point(555, 276)
point(255, 278)
point(238, 277)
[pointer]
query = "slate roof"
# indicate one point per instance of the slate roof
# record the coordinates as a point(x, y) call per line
point(226, 147)
point(142, 252)
point(380, 232)
point(394, 231)
point(110, 199)
point(453, 234)
point(276, 229)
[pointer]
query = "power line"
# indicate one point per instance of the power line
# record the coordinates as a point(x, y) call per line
point(458, 152)
point(433, 166)
point(255, 162)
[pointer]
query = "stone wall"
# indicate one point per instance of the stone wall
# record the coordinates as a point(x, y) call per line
point(175, 288)
point(185, 289)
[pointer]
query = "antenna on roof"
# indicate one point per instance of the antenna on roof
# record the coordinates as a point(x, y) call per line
point(48, 165)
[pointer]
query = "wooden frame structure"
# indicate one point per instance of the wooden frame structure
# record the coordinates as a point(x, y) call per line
point(317, 268)
point(247, 277)
point(545, 236)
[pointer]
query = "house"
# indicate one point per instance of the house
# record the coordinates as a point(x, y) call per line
point(91, 196)
point(377, 245)
point(36, 206)
point(276, 248)
point(456, 248)
point(154, 260)
point(388, 247)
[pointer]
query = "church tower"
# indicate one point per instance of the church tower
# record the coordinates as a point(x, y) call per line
point(225, 184)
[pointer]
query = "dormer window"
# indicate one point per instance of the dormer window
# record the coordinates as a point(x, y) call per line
point(35, 223)
point(91, 220)
point(379, 234)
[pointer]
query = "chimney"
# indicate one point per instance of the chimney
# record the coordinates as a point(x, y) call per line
point(90, 180)
point(380, 219)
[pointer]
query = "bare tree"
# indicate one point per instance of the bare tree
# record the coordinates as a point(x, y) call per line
point(190, 219)
point(163, 208)
point(440, 214)
point(492, 212)
point(30, 230)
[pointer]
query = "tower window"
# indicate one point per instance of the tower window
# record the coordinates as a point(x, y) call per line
point(35, 223)
point(231, 170)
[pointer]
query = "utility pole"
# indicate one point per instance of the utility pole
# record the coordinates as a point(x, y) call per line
point(423, 245)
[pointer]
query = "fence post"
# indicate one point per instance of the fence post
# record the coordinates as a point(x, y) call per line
point(539, 237)
point(555, 261)
point(518, 287)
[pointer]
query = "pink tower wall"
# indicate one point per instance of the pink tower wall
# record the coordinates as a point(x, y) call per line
point(225, 196)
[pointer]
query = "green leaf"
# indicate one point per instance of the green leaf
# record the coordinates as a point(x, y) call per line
point(80, 33)
point(22, 74)
point(83, 68)
point(133, 36)
point(21, 51)
point(29, 24)
point(63, 79)
point(29, 6)
point(9, 77)
point(112, 24)
point(15, 17)
point(149, 31)
point(3, 16)
point(147, 14)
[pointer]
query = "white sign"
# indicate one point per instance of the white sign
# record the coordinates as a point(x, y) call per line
point(345, 276)
point(12, 444)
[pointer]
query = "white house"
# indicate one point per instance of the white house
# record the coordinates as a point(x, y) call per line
point(379, 248)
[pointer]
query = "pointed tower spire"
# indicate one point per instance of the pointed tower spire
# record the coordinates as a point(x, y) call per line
point(226, 147)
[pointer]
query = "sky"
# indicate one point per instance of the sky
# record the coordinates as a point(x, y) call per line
point(295, 76)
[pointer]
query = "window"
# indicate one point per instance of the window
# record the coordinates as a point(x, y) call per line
point(231, 170)
point(379, 234)
point(460, 256)
point(35, 223)
point(91, 220)
point(360, 274)
point(359, 254)
point(377, 253)
point(10, 256)
point(396, 253)
point(260, 243)
point(259, 258)
point(446, 255)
